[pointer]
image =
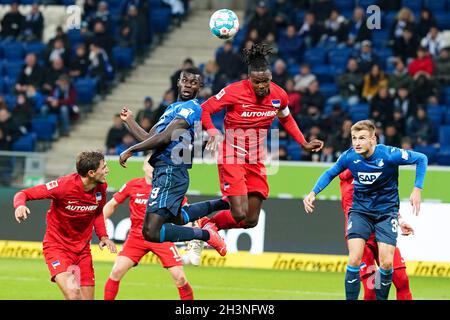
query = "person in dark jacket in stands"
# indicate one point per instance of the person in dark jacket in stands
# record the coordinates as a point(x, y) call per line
point(32, 74)
point(52, 74)
point(33, 25)
point(229, 62)
point(12, 23)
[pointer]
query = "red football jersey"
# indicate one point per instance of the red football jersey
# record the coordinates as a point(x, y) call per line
point(73, 212)
point(249, 116)
point(138, 191)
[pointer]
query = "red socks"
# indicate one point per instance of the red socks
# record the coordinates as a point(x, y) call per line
point(401, 283)
point(111, 289)
point(224, 220)
point(186, 292)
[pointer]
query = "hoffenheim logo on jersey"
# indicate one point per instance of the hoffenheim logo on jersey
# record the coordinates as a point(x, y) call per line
point(276, 103)
point(368, 177)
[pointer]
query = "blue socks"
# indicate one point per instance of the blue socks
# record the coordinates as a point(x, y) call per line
point(197, 210)
point(352, 283)
point(174, 233)
point(383, 281)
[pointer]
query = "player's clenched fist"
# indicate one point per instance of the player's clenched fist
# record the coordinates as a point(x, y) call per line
point(21, 213)
point(308, 202)
point(126, 114)
point(314, 145)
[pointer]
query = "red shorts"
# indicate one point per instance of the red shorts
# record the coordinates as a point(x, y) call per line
point(135, 249)
point(242, 179)
point(60, 260)
point(370, 256)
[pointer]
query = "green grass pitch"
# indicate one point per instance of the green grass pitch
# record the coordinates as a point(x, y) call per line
point(29, 279)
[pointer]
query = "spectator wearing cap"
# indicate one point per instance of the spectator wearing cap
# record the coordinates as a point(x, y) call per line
point(366, 57)
point(12, 23)
point(442, 66)
point(262, 21)
point(62, 102)
point(33, 25)
point(405, 47)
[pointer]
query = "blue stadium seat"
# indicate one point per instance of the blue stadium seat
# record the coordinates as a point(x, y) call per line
point(447, 117)
point(324, 72)
point(436, 114)
point(34, 47)
point(154, 4)
point(13, 69)
point(446, 95)
point(414, 5)
point(436, 6)
point(443, 156)
point(13, 51)
point(315, 56)
point(294, 151)
point(2, 90)
point(389, 19)
point(443, 20)
point(344, 5)
point(365, 3)
point(75, 37)
point(44, 129)
point(380, 38)
point(444, 135)
point(10, 100)
point(293, 69)
point(123, 57)
point(86, 90)
point(430, 151)
point(160, 19)
point(8, 85)
point(359, 111)
point(26, 143)
point(68, 2)
point(328, 89)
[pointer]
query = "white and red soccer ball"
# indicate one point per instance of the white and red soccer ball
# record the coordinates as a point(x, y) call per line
point(224, 23)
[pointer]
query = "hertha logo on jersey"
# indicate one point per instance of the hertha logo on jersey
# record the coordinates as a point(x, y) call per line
point(276, 103)
point(368, 177)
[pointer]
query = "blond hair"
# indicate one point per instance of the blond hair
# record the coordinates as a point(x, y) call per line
point(364, 125)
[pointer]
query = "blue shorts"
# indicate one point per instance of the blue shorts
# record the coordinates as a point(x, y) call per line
point(169, 187)
point(361, 225)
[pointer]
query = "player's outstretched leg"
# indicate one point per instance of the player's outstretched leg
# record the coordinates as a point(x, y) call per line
point(194, 211)
point(120, 268)
point(179, 277)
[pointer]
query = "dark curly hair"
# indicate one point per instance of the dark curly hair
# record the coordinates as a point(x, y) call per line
point(255, 57)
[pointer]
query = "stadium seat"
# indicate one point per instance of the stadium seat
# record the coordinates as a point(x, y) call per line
point(436, 114)
point(436, 6)
point(444, 135)
point(293, 69)
point(86, 90)
point(328, 89)
point(160, 20)
point(447, 117)
point(13, 69)
point(26, 143)
point(123, 57)
point(75, 37)
point(324, 72)
point(359, 112)
point(430, 151)
point(365, 3)
point(443, 156)
point(154, 4)
point(8, 85)
point(344, 5)
point(380, 38)
point(294, 151)
point(44, 129)
point(414, 5)
point(10, 100)
point(389, 19)
point(34, 47)
point(443, 20)
point(315, 56)
point(13, 51)
point(446, 95)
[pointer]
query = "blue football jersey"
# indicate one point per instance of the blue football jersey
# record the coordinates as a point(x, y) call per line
point(180, 150)
point(376, 177)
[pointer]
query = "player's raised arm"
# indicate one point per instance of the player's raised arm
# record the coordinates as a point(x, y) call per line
point(155, 141)
point(133, 127)
point(405, 157)
point(323, 181)
point(291, 127)
point(42, 191)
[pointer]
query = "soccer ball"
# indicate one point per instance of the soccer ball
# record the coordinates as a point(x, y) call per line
point(224, 23)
